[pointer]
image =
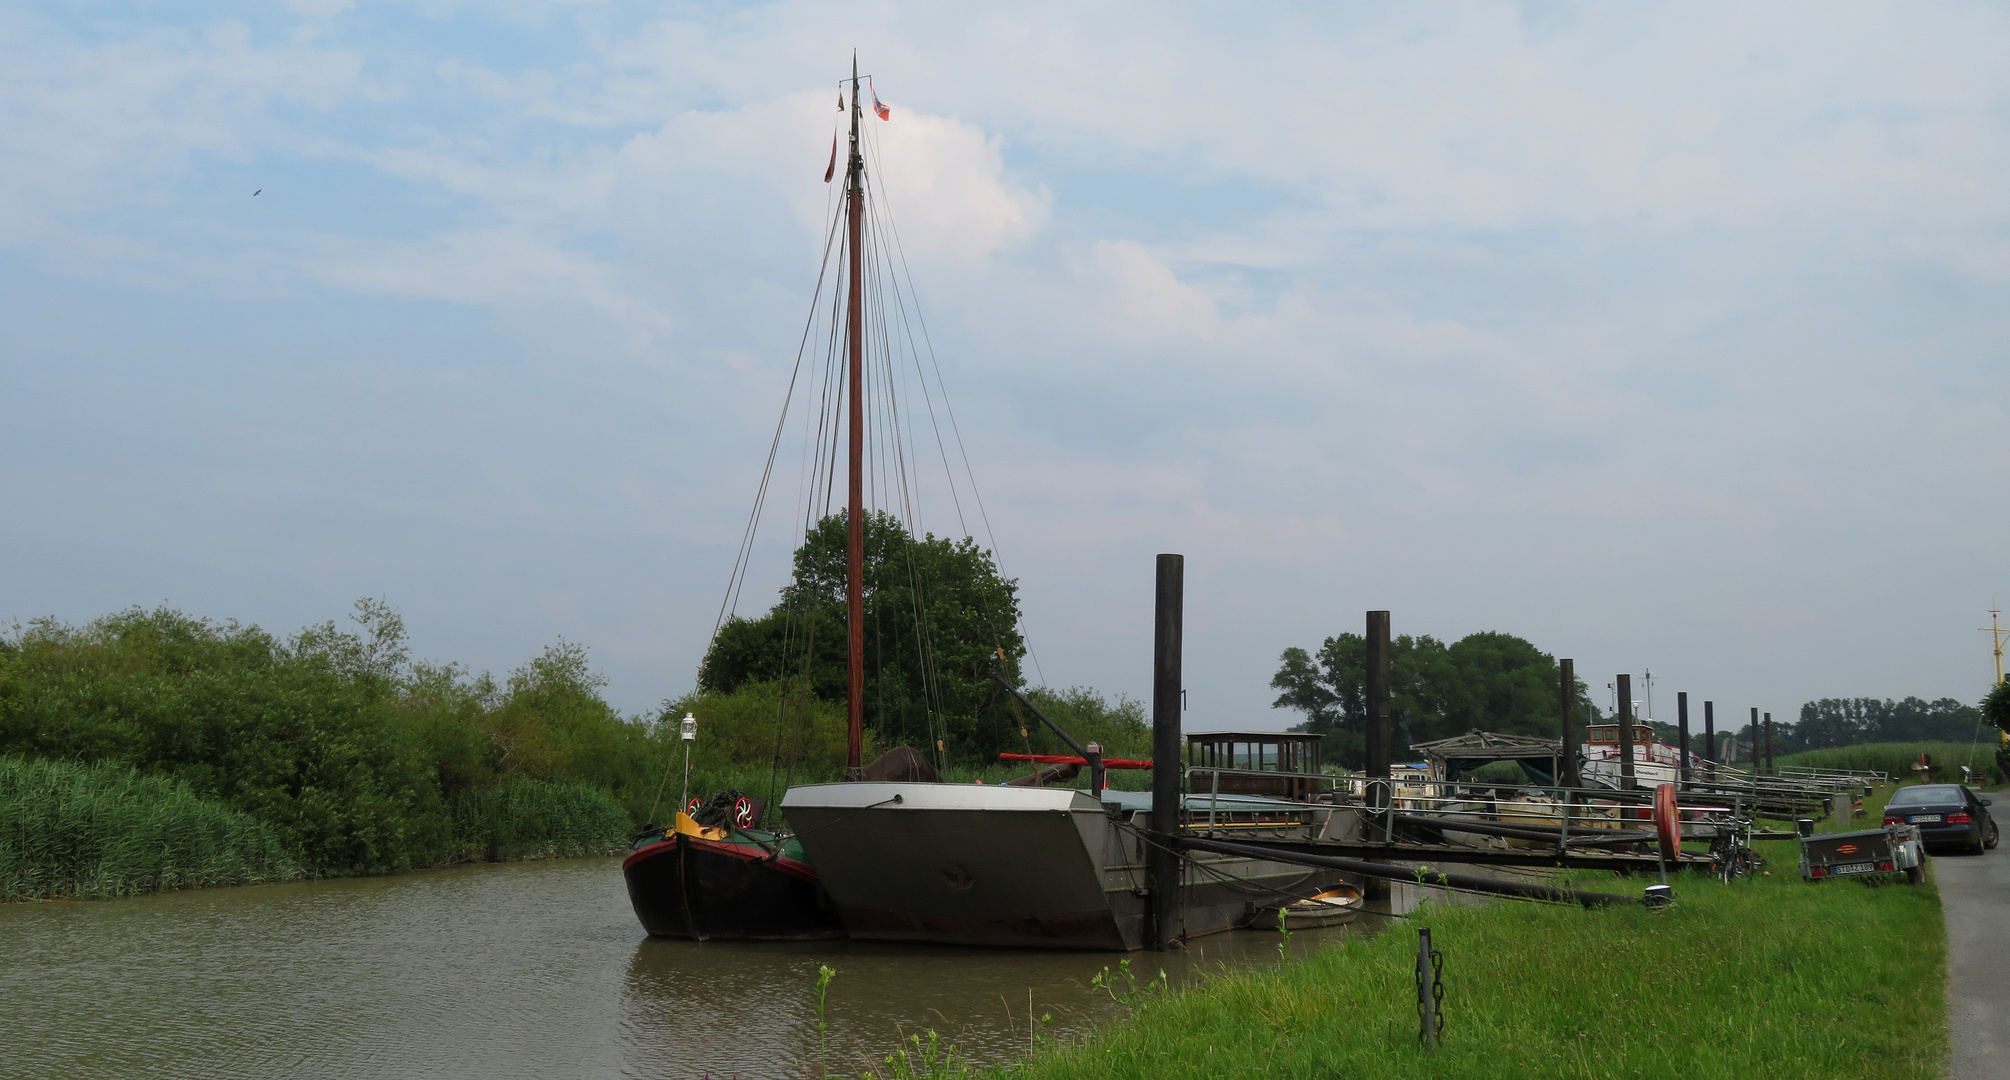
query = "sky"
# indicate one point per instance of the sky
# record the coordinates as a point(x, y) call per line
point(1669, 336)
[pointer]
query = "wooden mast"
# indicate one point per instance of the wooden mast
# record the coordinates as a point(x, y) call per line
point(855, 511)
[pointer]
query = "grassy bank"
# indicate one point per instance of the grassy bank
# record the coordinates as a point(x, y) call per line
point(1898, 759)
point(103, 831)
point(1765, 977)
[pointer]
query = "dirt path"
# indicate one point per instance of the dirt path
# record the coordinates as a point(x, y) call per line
point(1975, 891)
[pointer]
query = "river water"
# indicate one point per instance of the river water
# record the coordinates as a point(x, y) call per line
point(509, 970)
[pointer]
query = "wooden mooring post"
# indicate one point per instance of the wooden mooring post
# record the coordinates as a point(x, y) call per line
point(1379, 735)
point(1379, 795)
point(1568, 704)
point(1168, 777)
point(1710, 737)
point(1682, 732)
point(1626, 732)
point(1770, 771)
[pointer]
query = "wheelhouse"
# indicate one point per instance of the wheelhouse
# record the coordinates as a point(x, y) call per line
point(1243, 756)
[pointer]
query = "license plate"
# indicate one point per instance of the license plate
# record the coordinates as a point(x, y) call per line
point(1917, 818)
point(1854, 868)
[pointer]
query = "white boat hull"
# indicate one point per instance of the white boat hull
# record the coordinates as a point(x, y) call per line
point(975, 864)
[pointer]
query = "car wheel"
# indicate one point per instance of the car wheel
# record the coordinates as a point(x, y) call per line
point(1978, 845)
point(1991, 842)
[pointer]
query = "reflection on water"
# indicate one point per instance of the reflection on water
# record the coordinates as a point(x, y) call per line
point(529, 969)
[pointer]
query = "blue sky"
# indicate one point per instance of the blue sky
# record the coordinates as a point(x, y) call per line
point(1667, 336)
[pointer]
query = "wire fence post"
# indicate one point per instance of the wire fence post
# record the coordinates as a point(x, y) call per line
point(1430, 990)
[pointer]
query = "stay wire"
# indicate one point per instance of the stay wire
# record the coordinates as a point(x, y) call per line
point(956, 430)
point(949, 407)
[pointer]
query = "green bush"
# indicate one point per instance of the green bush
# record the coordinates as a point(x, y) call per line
point(360, 761)
point(102, 831)
point(274, 729)
point(536, 819)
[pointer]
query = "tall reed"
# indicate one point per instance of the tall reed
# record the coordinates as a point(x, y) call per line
point(526, 818)
point(104, 831)
point(1898, 759)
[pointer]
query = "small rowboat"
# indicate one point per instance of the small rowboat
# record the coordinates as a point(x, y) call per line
point(1329, 907)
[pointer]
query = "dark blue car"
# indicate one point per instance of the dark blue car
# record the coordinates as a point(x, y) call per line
point(1948, 815)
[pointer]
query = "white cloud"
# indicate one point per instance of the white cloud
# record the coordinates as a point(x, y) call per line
point(1475, 297)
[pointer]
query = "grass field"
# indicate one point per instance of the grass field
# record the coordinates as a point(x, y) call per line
point(104, 831)
point(1764, 977)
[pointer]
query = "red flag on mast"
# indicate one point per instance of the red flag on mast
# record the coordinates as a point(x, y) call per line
point(876, 106)
point(831, 169)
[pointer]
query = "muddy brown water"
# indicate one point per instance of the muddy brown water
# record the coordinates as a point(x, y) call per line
point(515, 970)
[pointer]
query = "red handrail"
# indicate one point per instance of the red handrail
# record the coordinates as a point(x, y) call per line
point(1063, 759)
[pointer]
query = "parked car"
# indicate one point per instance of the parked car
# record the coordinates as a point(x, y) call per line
point(1947, 815)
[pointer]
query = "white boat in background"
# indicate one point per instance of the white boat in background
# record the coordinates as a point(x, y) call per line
point(1654, 762)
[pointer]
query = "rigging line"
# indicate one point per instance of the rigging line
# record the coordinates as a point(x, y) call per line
point(830, 418)
point(813, 432)
point(926, 655)
point(796, 621)
point(738, 578)
point(901, 437)
point(1148, 840)
point(901, 301)
point(956, 429)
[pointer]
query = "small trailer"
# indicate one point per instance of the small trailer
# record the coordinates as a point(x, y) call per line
point(1892, 850)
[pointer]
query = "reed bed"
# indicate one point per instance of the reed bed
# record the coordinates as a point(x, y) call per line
point(525, 818)
point(99, 832)
point(1897, 759)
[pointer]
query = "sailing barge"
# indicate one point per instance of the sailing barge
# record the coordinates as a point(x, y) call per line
point(909, 858)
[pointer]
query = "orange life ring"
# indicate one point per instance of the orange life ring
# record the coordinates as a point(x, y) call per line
point(1668, 821)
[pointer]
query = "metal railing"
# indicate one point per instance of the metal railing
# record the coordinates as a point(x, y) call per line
point(1716, 796)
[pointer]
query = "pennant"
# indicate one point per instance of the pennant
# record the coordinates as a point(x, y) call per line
point(877, 107)
point(840, 101)
point(831, 169)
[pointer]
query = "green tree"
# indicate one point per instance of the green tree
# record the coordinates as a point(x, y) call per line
point(1483, 682)
point(1996, 705)
point(938, 620)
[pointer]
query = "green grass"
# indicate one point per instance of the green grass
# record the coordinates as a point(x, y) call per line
point(523, 818)
point(1898, 759)
point(1765, 977)
point(104, 831)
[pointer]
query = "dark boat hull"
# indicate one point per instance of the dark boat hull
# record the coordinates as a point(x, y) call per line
point(721, 890)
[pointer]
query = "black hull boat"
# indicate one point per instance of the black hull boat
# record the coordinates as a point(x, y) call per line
point(733, 885)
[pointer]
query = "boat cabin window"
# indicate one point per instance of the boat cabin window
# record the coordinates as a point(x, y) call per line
point(1609, 733)
point(1246, 752)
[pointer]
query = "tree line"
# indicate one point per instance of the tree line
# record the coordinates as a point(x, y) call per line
point(1499, 682)
point(356, 756)
point(1482, 682)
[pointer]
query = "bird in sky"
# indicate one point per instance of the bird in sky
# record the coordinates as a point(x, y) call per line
point(255, 193)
